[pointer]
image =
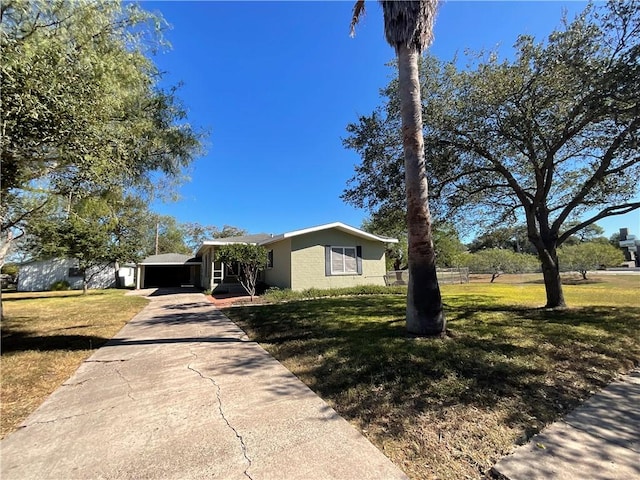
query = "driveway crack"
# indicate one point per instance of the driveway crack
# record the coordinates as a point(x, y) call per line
point(69, 417)
point(243, 446)
point(108, 361)
point(129, 389)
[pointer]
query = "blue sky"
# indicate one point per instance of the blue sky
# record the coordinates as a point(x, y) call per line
point(276, 83)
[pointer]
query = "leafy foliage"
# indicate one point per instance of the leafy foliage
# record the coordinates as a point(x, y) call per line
point(10, 269)
point(589, 256)
point(393, 224)
point(60, 286)
point(497, 261)
point(195, 233)
point(93, 230)
point(80, 102)
point(274, 294)
point(250, 259)
point(545, 139)
point(82, 109)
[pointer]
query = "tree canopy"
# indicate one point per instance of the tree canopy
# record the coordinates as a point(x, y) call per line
point(249, 259)
point(544, 139)
point(96, 231)
point(446, 240)
point(82, 110)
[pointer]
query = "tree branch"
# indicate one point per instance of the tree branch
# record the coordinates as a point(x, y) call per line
point(13, 223)
point(597, 176)
point(607, 212)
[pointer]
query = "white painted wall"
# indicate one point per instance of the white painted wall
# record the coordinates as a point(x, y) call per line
point(38, 276)
point(128, 275)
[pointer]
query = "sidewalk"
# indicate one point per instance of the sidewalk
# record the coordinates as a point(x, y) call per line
point(600, 440)
point(180, 392)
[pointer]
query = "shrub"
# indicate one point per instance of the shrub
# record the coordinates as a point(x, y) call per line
point(275, 294)
point(497, 261)
point(60, 285)
point(589, 256)
point(10, 269)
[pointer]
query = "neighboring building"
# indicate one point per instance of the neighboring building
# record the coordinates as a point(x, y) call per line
point(39, 275)
point(630, 246)
point(327, 256)
point(127, 275)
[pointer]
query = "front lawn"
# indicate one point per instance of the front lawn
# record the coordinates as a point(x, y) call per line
point(46, 336)
point(450, 408)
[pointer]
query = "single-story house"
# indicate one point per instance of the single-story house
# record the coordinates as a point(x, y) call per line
point(326, 256)
point(168, 270)
point(38, 276)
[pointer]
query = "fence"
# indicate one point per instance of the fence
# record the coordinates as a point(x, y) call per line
point(445, 275)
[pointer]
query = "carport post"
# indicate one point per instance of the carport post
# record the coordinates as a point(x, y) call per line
point(138, 275)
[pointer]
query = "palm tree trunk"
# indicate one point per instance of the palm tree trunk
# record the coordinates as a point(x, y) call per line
point(425, 314)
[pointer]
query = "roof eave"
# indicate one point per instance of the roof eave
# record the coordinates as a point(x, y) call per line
point(339, 225)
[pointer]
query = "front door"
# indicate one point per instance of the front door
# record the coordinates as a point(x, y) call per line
point(218, 272)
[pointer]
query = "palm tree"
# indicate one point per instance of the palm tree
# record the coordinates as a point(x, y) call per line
point(408, 27)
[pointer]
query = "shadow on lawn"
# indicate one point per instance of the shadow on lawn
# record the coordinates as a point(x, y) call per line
point(355, 352)
point(18, 296)
point(17, 341)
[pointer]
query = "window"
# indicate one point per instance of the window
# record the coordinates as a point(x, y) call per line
point(270, 259)
point(343, 260)
point(75, 272)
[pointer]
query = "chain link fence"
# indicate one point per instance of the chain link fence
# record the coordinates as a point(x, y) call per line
point(445, 276)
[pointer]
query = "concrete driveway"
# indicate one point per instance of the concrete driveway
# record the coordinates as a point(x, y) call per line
point(180, 392)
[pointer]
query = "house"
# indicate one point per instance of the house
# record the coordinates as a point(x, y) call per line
point(327, 256)
point(38, 276)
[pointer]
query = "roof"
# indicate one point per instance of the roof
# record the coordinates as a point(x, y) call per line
point(266, 239)
point(257, 238)
point(338, 226)
point(171, 259)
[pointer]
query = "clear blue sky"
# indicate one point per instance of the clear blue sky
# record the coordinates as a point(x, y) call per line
point(276, 83)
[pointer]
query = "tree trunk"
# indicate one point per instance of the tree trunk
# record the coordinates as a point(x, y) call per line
point(425, 314)
point(551, 273)
point(116, 266)
point(5, 244)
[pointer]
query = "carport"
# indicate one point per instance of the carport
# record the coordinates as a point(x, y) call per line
point(169, 270)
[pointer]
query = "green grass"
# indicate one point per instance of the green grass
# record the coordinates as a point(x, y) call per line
point(46, 336)
point(450, 408)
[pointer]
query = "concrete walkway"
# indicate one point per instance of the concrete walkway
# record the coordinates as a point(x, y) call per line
point(600, 440)
point(180, 392)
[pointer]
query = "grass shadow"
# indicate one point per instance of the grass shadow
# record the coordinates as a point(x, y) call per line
point(16, 341)
point(18, 296)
